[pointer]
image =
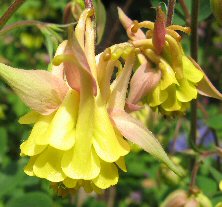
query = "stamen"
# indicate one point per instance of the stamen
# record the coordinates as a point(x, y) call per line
point(149, 34)
point(107, 54)
point(147, 25)
point(62, 58)
point(152, 56)
point(186, 30)
point(135, 26)
point(174, 34)
point(91, 12)
point(146, 43)
point(176, 54)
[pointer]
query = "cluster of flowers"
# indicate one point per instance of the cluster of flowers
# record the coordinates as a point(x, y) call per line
point(81, 107)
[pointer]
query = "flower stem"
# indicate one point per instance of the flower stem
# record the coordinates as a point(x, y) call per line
point(194, 55)
point(10, 11)
point(186, 11)
point(170, 12)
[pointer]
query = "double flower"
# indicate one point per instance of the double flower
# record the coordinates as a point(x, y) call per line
point(80, 129)
point(80, 109)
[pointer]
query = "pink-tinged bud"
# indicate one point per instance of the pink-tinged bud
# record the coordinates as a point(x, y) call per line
point(216, 6)
point(159, 31)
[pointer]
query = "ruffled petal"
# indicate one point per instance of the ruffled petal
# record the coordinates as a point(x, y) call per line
point(61, 131)
point(157, 97)
point(171, 103)
point(121, 164)
point(29, 167)
point(107, 145)
point(192, 73)
point(108, 175)
point(30, 147)
point(29, 118)
point(70, 183)
point(48, 165)
point(186, 91)
point(168, 76)
point(81, 163)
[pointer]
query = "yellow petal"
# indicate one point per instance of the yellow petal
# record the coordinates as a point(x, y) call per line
point(48, 165)
point(61, 133)
point(108, 145)
point(121, 164)
point(186, 91)
point(29, 147)
point(168, 76)
point(29, 167)
point(157, 97)
point(29, 118)
point(190, 71)
point(87, 186)
point(81, 164)
point(108, 176)
point(171, 104)
point(70, 183)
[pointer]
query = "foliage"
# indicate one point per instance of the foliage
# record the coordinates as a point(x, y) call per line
point(147, 182)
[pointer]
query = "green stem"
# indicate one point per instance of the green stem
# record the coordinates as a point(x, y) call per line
point(10, 11)
point(194, 55)
point(170, 12)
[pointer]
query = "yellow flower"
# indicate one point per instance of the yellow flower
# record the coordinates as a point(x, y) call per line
point(166, 76)
point(80, 126)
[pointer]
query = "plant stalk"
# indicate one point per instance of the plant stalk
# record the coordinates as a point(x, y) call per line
point(170, 12)
point(10, 11)
point(194, 55)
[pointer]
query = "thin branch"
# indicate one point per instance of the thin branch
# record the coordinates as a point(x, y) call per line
point(112, 196)
point(170, 12)
point(10, 11)
point(186, 11)
point(194, 55)
point(217, 144)
point(194, 176)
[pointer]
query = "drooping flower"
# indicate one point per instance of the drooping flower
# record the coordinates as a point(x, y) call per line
point(166, 76)
point(80, 126)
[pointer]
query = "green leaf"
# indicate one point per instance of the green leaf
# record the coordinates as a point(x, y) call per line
point(100, 19)
point(215, 122)
point(216, 174)
point(3, 142)
point(8, 183)
point(35, 199)
point(207, 185)
point(204, 12)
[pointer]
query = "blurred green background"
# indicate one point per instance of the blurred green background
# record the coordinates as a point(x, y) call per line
point(147, 183)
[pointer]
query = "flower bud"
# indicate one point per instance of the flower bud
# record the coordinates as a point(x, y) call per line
point(181, 198)
point(175, 199)
point(216, 6)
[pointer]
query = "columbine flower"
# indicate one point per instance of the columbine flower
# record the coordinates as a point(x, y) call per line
point(166, 76)
point(80, 126)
